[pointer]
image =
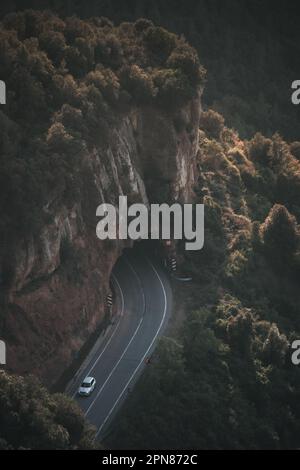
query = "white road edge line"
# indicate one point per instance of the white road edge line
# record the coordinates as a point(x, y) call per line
point(143, 358)
point(139, 281)
point(113, 370)
point(116, 365)
point(113, 334)
point(121, 314)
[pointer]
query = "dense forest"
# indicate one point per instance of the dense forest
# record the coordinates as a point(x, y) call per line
point(226, 379)
point(77, 77)
point(67, 82)
point(249, 47)
point(31, 418)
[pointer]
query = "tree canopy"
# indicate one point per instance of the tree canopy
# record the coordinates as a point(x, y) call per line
point(31, 418)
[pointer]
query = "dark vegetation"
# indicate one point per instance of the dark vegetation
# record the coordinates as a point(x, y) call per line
point(67, 81)
point(249, 47)
point(226, 380)
point(31, 418)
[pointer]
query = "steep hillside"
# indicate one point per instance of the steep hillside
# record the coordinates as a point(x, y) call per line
point(31, 418)
point(94, 111)
point(227, 380)
point(249, 47)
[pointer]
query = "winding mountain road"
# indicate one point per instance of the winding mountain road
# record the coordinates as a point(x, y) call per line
point(144, 306)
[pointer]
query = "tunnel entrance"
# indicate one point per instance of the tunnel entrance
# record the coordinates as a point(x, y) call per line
point(160, 253)
point(151, 248)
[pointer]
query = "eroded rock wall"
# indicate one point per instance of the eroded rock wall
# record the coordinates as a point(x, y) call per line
point(61, 277)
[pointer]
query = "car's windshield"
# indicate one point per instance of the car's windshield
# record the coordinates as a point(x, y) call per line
point(86, 385)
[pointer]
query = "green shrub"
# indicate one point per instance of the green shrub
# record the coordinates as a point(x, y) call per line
point(240, 331)
point(142, 25)
point(107, 82)
point(237, 156)
point(280, 235)
point(72, 119)
point(137, 83)
point(31, 418)
point(256, 236)
point(76, 62)
point(174, 88)
point(58, 138)
point(295, 149)
point(108, 51)
point(53, 42)
point(186, 59)
point(275, 347)
point(259, 149)
point(212, 123)
point(159, 41)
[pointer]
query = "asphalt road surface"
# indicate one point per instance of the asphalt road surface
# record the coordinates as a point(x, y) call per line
point(144, 306)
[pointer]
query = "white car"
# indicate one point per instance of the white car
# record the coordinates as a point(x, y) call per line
point(87, 386)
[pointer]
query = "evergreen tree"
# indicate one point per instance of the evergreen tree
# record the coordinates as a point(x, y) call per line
point(280, 235)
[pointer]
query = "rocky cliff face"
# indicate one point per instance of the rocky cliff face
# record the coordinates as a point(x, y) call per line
point(61, 278)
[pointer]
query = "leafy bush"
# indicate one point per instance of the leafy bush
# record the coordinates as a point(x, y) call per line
point(137, 83)
point(142, 25)
point(295, 149)
point(260, 149)
point(58, 139)
point(160, 42)
point(54, 44)
point(31, 418)
point(275, 346)
point(186, 59)
point(212, 123)
point(107, 82)
point(280, 235)
point(173, 88)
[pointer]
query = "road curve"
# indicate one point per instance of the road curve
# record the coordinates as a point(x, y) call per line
point(144, 306)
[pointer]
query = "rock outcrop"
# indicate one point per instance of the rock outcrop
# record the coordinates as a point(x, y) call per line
point(61, 277)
